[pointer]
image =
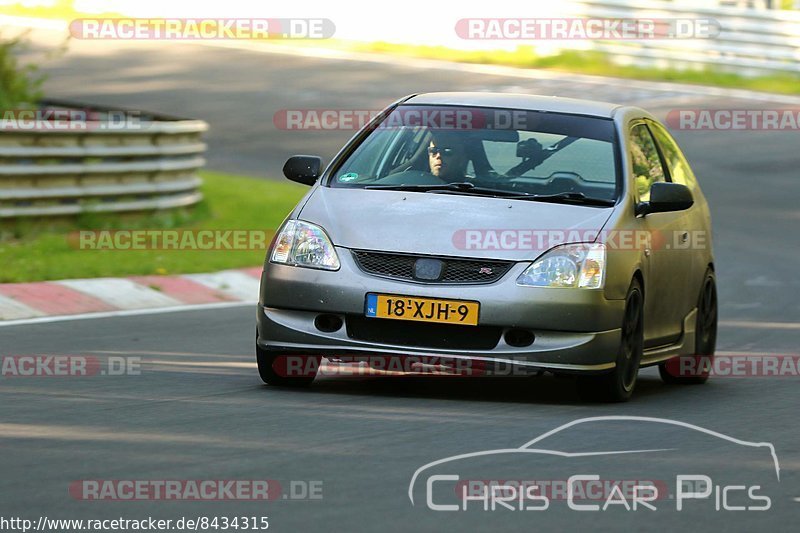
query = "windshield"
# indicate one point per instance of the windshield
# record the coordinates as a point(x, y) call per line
point(497, 152)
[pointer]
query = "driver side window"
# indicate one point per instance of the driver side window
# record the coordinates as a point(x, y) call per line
point(647, 167)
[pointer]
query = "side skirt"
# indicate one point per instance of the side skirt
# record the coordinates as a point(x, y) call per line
point(683, 346)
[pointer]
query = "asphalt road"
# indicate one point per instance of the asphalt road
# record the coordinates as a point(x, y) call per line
point(198, 411)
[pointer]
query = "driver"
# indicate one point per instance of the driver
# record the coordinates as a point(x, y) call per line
point(447, 158)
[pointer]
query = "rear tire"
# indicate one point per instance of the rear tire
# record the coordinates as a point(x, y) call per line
point(618, 385)
point(705, 337)
point(266, 369)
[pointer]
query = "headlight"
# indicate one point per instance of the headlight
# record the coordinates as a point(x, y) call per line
point(569, 265)
point(302, 244)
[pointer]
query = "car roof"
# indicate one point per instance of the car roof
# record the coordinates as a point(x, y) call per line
point(554, 104)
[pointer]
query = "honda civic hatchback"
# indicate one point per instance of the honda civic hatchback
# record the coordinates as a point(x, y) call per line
point(539, 234)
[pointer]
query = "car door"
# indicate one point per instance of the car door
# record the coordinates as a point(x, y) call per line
point(698, 217)
point(667, 264)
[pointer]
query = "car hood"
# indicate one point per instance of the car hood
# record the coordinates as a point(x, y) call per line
point(449, 224)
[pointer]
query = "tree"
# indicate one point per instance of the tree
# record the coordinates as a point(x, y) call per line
point(20, 85)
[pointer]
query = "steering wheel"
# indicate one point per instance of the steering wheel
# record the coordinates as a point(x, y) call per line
point(564, 182)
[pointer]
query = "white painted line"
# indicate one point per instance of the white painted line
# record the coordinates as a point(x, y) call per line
point(727, 353)
point(753, 324)
point(230, 282)
point(121, 293)
point(125, 313)
point(11, 309)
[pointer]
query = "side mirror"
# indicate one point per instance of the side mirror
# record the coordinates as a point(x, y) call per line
point(303, 169)
point(665, 197)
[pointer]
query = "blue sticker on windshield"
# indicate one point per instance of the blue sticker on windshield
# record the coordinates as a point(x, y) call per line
point(350, 176)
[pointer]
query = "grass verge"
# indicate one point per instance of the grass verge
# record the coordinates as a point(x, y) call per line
point(589, 62)
point(42, 249)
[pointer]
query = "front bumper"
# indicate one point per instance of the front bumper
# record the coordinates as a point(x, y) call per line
point(574, 329)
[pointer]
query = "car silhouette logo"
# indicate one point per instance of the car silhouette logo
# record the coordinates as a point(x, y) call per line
point(536, 447)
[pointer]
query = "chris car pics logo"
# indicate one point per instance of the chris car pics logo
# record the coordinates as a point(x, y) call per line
point(586, 480)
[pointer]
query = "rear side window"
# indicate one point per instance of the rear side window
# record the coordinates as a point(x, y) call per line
point(679, 169)
point(647, 167)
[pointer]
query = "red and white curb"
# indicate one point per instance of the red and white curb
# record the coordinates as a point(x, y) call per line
point(114, 296)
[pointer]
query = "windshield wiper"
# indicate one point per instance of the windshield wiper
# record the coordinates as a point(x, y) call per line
point(575, 197)
point(459, 187)
point(421, 187)
point(472, 189)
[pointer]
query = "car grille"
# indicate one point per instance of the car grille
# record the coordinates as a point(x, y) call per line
point(421, 335)
point(401, 266)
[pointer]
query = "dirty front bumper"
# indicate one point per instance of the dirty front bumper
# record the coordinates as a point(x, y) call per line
point(572, 329)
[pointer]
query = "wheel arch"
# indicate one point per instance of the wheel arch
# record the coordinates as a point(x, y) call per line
point(637, 275)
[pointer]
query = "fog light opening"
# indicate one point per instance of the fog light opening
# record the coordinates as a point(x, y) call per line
point(328, 323)
point(519, 338)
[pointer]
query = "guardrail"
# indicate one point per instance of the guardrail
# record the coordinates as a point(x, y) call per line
point(750, 42)
point(112, 162)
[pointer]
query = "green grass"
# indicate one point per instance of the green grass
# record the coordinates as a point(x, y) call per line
point(588, 62)
point(60, 10)
point(41, 249)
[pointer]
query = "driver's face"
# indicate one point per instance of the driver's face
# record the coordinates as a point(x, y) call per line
point(446, 160)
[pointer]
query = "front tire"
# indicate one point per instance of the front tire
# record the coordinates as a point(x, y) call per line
point(618, 385)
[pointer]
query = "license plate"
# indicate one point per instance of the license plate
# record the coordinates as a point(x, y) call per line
point(422, 309)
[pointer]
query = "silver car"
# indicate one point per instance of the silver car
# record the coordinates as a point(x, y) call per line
point(511, 231)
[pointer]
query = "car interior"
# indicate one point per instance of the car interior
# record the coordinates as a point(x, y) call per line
point(516, 164)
